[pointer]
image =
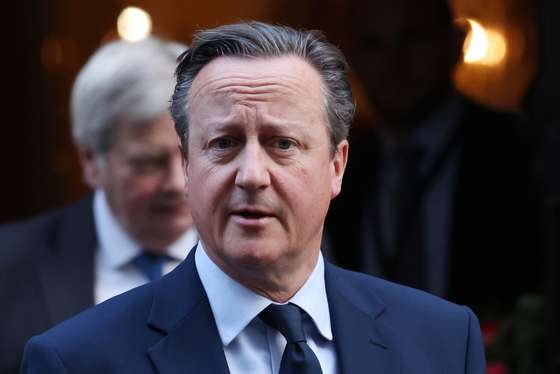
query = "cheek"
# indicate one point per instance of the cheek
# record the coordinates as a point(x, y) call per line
point(307, 200)
point(307, 191)
point(140, 188)
point(205, 190)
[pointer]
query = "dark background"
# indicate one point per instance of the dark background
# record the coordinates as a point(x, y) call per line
point(48, 41)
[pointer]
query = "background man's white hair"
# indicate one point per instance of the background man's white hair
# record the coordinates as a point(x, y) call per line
point(123, 82)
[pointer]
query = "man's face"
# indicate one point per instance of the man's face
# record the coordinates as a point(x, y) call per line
point(403, 54)
point(144, 182)
point(260, 173)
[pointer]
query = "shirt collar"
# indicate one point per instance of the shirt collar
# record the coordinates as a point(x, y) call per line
point(234, 306)
point(115, 244)
point(117, 247)
point(182, 246)
point(312, 297)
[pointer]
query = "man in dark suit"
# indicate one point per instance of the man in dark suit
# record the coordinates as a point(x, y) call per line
point(440, 189)
point(58, 264)
point(263, 113)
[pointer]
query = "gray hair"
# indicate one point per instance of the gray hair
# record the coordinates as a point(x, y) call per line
point(261, 40)
point(122, 82)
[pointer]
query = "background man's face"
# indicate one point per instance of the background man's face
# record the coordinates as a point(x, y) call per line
point(260, 175)
point(144, 182)
point(404, 55)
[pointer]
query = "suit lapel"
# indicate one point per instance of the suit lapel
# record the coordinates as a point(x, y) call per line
point(67, 269)
point(182, 312)
point(361, 339)
point(191, 341)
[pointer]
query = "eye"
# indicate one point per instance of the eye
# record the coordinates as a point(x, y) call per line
point(223, 143)
point(284, 144)
point(147, 164)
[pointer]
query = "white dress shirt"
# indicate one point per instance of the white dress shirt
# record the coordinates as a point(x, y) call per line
point(114, 273)
point(251, 346)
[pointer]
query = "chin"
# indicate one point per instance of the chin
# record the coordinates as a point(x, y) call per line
point(254, 253)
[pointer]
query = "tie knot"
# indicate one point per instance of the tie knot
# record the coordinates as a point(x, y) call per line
point(150, 264)
point(287, 319)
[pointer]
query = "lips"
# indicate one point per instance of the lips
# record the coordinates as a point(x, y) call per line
point(251, 216)
point(252, 213)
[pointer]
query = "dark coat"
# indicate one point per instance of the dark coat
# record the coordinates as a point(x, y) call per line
point(46, 275)
point(495, 252)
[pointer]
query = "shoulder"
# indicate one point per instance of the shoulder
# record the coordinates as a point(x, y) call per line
point(486, 130)
point(30, 237)
point(115, 335)
point(437, 336)
point(26, 239)
point(488, 123)
point(23, 228)
point(398, 301)
point(472, 108)
point(102, 326)
point(110, 337)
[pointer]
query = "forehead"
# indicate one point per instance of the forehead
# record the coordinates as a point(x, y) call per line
point(257, 78)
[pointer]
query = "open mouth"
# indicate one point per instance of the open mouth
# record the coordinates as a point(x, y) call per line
point(252, 215)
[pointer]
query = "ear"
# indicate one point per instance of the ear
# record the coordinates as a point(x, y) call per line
point(339, 161)
point(91, 170)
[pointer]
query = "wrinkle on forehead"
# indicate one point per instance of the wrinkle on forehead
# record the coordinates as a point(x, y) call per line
point(255, 79)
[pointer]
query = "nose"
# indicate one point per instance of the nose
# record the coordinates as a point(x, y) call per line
point(252, 171)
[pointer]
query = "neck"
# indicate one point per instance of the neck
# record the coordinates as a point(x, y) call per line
point(278, 290)
point(277, 282)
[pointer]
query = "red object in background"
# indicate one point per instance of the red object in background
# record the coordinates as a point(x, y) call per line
point(496, 368)
point(489, 331)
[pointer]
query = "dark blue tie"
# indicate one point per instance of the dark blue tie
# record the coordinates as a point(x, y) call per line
point(150, 264)
point(298, 358)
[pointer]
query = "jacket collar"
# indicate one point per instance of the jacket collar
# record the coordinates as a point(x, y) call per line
point(362, 339)
point(182, 313)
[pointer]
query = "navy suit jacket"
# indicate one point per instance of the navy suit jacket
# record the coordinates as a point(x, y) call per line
point(46, 275)
point(167, 327)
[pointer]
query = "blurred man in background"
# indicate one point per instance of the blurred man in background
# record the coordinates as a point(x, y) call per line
point(440, 187)
point(132, 229)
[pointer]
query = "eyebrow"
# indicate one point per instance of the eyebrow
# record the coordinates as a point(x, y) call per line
point(273, 125)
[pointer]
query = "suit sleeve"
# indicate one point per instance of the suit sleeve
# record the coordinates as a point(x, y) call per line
point(40, 357)
point(475, 359)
